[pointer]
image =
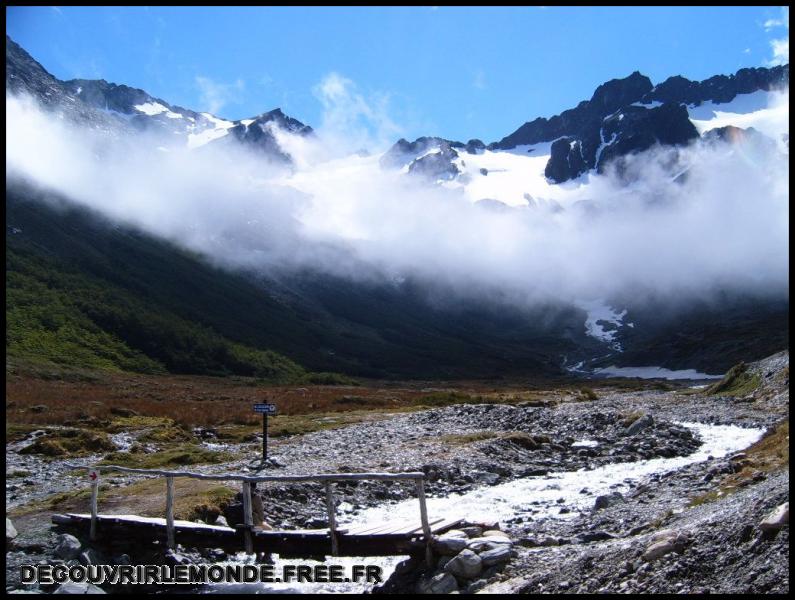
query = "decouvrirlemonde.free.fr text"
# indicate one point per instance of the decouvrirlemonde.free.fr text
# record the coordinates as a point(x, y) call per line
point(198, 574)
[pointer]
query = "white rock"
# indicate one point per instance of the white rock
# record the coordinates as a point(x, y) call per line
point(658, 550)
point(776, 519)
point(664, 535)
point(68, 547)
point(466, 565)
point(487, 543)
point(455, 533)
point(443, 583)
point(495, 533)
point(11, 531)
point(78, 588)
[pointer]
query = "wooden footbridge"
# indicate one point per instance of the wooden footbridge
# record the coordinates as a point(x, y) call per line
point(374, 539)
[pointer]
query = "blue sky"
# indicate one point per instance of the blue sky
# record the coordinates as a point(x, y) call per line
point(459, 73)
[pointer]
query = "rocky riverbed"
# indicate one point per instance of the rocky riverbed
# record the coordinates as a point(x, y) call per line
point(601, 541)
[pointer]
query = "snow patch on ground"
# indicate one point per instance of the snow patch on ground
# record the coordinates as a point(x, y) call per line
point(767, 112)
point(151, 108)
point(599, 314)
point(511, 176)
point(653, 373)
point(206, 136)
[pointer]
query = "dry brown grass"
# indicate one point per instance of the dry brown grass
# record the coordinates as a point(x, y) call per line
point(192, 498)
point(212, 401)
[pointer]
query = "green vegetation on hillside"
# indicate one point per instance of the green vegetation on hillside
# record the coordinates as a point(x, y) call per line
point(737, 382)
point(130, 301)
point(80, 293)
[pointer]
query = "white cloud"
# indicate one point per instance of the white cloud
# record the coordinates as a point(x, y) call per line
point(782, 21)
point(779, 46)
point(351, 120)
point(726, 225)
point(214, 95)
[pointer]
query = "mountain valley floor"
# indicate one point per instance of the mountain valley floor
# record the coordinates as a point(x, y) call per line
point(469, 438)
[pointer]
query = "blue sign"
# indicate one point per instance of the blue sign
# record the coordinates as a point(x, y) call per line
point(268, 409)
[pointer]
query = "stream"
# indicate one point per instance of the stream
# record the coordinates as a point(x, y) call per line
point(537, 498)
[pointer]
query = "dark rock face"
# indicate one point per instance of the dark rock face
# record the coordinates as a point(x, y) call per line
point(613, 123)
point(111, 107)
point(640, 128)
point(720, 88)
point(430, 157)
point(436, 165)
point(617, 93)
point(566, 161)
point(259, 133)
point(26, 76)
point(475, 146)
point(404, 152)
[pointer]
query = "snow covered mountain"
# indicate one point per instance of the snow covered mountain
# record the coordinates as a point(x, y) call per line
point(547, 168)
point(623, 117)
point(123, 110)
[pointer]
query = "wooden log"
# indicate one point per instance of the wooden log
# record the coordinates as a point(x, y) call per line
point(332, 520)
point(426, 528)
point(170, 513)
point(248, 519)
point(265, 478)
point(93, 533)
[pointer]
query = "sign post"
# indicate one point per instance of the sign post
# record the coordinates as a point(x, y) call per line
point(265, 409)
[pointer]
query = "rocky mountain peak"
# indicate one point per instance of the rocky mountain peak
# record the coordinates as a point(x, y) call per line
point(616, 93)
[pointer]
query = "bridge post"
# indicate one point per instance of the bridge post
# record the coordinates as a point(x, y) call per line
point(426, 528)
point(248, 519)
point(170, 513)
point(332, 520)
point(94, 512)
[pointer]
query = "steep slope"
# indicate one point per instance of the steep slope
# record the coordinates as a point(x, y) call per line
point(157, 307)
point(124, 110)
point(82, 292)
point(624, 116)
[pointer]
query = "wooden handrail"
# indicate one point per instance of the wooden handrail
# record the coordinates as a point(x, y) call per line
point(259, 478)
point(247, 480)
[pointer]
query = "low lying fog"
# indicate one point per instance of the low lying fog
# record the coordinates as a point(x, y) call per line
point(725, 226)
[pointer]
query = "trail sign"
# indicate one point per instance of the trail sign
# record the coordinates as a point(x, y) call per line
point(93, 475)
point(265, 409)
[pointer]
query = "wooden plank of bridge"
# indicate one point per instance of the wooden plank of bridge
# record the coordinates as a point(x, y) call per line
point(170, 513)
point(406, 526)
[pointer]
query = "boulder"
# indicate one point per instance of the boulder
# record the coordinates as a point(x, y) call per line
point(776, 519)
point(91, 557)
point(608, 500)
point(473, 531)
point(71, 587)
point(466, 565)
point(68, 547)
point(495, 533)
point(639, 424)
point(596, 536)
point(443, 583)
point(664, 542)
point(658, 550)
point(456, 533)
point(487, 543)
point(495, 556)
point(449, 545)
point(11, 531)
